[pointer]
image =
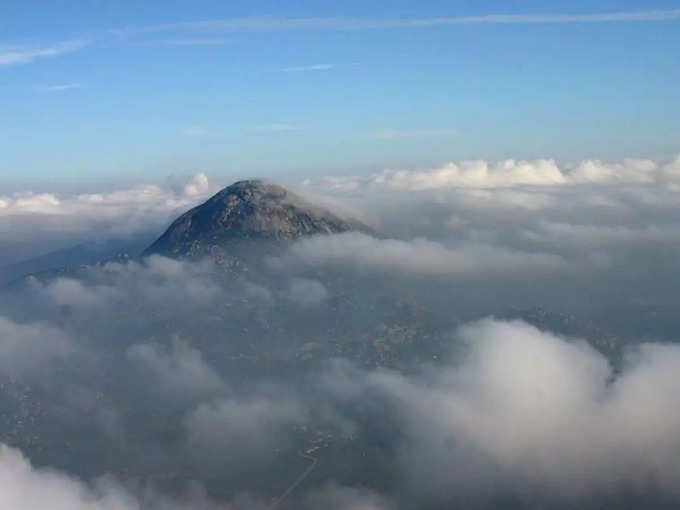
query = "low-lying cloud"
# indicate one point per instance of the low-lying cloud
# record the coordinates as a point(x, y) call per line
point(32, 223)
point(26, 350)
point(419, 256)
point(155, 372)
point(536, 416)
point(26, 487)
point(177, 368)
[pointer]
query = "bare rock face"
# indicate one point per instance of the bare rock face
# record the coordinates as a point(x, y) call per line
point(244, 213)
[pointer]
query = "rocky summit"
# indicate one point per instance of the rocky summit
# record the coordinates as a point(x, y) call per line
point(246, 212)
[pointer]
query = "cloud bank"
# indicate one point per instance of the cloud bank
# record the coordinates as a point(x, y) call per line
point(512, 173)
point(506, 413)
point(529, 416)
point(27, 349)
point(26, 487)
point(419, 256)
point(361, 365)
point(33, 223)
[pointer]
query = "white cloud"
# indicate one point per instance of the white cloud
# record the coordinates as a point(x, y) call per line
point(63, 86)
point(22, 487)
point(74, 293)
point(307, 292)
point(29, 202)
point(628, 171)
point(195, 41)
point(529, 413)
point(590, 214)
point(247, 428)
point(10, 55)
point(418, 256)
point(179, 367)
point(672, 172)
point(26, 487)
point(509, 173)
point(113, 214)
point(475, 174)
point(155, 281)
point(148, 197)
point(314, 67)
point(673, 167)
point(28, 349)
point(158, 279)
point(622, 16)
point(597, 235)
point(197, 186)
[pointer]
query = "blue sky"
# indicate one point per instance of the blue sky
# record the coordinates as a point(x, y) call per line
point(116, 90)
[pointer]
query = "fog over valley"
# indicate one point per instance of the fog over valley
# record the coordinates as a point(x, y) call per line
point(477, 335)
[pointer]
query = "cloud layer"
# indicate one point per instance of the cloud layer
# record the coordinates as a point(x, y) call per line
point(358, 371)
point(33, 223)
point(512, 173)
point(419, 256)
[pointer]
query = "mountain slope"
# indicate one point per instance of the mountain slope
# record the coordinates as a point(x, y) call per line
point(81, 254)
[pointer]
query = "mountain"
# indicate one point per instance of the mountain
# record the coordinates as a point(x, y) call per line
point(81, 254)
point(246, 212)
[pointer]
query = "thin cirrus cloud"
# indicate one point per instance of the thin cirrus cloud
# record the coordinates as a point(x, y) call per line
point(11, 55)
point(266, 23)
point(20, 54)
point(314, 67)
point(61, 87)
point(195, 41)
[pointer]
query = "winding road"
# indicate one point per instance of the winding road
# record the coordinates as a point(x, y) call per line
point(297, 481)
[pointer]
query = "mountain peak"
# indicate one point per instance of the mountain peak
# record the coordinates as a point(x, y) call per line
point(247, 210)
point(253, 187)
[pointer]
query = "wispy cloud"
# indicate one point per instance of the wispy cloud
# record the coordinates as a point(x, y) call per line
point(389, 134)
point(18, 54)
point(60, 87)
point(315, 67)
point(10, 55)
point(195, 41)
point(622, 16)
point(258, 23)
point(348, 23)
